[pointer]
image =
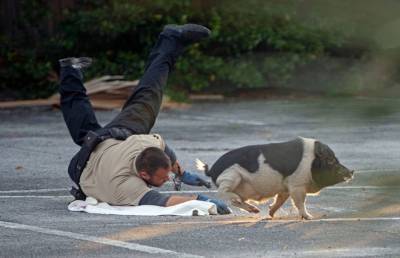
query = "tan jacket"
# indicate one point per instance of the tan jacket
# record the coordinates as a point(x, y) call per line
point(110, 174)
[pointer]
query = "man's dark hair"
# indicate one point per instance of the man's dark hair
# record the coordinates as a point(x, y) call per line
point(151, 159)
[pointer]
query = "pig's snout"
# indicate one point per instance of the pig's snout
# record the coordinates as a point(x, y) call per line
point(346, 173)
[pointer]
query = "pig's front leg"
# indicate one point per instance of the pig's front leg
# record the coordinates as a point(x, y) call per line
point(298, 195)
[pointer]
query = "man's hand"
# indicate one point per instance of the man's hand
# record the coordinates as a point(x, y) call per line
point(222, 208)
point(193, 179)
point(176, 168)
point(187, 178)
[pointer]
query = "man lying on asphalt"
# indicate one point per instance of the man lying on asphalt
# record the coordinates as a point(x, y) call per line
point(118, 163)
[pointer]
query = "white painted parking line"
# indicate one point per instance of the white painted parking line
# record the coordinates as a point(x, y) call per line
point(199, 191)
point(35, 190)
point(189, 191)
point(99, 240)
point(356, 219)
point(36, 196)
point(64, 189)
point(372, 187)
point(362, 187)
point(339, 252)
point(233, 121)
point(377, 170)
point(259, 219)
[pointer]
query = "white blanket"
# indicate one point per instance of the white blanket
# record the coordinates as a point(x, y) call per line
point(190, 208)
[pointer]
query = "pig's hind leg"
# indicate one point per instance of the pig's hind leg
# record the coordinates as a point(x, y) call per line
point(225, 191)
point(280, 199)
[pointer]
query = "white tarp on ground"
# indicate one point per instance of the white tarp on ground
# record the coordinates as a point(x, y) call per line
point(190, 208)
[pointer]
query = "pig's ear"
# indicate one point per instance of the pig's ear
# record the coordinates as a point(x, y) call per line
point(322, 150)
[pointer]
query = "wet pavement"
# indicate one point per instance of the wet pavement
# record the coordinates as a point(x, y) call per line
point(358, 219)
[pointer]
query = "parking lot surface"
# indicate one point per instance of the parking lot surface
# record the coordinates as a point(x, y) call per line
point(356, 219)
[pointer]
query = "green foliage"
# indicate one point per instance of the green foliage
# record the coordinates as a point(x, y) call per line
point(254, 44)
point(22, 71)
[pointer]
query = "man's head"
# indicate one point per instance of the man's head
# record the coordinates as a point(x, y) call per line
point(153, 166)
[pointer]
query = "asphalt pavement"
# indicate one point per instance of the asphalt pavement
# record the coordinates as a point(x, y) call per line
point(356, 219)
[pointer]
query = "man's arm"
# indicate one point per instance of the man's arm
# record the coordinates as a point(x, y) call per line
point(171, 154)
point(175, 167)
point(155, 198)
point(177, 199)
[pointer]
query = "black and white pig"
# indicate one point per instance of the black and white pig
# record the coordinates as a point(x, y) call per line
point(259, 172)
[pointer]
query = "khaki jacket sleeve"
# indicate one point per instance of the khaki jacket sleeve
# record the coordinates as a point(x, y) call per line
point(131, 191)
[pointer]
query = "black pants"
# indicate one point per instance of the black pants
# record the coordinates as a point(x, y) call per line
point(138, 114)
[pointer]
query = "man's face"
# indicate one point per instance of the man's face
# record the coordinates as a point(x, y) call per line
point(158, 178)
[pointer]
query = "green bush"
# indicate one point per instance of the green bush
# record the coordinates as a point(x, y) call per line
point(254, 44)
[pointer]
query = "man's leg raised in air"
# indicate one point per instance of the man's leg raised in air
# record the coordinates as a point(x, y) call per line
point(140, 111)
point(75, 105)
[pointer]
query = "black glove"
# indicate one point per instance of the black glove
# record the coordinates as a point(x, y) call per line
point(222, 208)
point(193, 179)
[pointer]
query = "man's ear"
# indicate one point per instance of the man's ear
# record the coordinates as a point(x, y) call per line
point(144, 175)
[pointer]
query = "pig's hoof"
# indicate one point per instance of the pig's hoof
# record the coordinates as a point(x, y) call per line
point(306, 216)
point(252, 209)
point(271, 212)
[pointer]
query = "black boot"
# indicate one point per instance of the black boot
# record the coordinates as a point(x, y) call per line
point(75, 62)
point(188, 33)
